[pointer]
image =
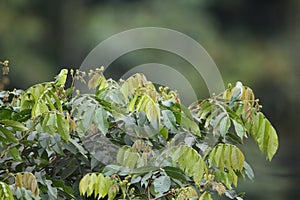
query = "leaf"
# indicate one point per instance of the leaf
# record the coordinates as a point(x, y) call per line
point(101, 120)
point(216, 122)
point(78, 146)
point(133, 83)
point(237, 158)
point(19, 180)
point(132, 103)
point(51, 123)
point(161, 185)
point(226, 155)
point(190, 162)
point(164, 133)
point(15, 154)
point(265, 135)
point(83, 184)
point(67, 189)
point(272, 143)
point(224, 126)
point(127, 158)
point(228, 177)
point(5, 192)
point(14, 124)
point(249, 171)
point(205, 196)
point(6, 113)
point(148, 106)
point(169, 120)
point(8, 135)
point(143, 170)
point(63, 127)
point(51, 191)
point(175, 173)
point(30, 183)
point(88, 116)
point(97, 80)
point(22, 116)
point(239, 129)
point(190, 125)
point(39, 108)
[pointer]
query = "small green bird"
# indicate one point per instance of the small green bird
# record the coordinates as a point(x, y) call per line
point(61, 78)
point(236, 93)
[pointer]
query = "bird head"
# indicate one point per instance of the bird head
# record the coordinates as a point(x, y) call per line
point(239, 84)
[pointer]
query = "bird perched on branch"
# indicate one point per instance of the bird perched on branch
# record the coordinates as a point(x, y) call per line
point(236, 93)
point(61, 78)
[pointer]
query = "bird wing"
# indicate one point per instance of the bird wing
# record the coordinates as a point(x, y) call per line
point(236, 93)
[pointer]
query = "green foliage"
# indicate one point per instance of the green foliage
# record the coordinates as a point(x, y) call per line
point(5, 192)
point(126, 141)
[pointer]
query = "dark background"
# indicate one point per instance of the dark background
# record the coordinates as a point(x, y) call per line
point(255, 41)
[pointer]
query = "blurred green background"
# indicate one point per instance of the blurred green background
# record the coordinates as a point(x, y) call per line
point(255, 41)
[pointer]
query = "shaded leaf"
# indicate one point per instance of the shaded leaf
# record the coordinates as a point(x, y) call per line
point(161, 185)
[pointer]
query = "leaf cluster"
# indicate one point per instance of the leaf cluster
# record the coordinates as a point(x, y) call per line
point(128, 140)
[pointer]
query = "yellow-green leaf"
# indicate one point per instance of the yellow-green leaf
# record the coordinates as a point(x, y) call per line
point(205, 196)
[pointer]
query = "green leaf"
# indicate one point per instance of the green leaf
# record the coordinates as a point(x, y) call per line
point(57, 101)
point(63, 127)
point(132, 103)
point(39, 108)
point(237, 158)
point(5, 192)
point(190, 125)
point(249, 171)
point(49, 124)
point(190, 162)
point(127, 158)
point(239, 129)
point(226, 155)
point(175, 173)
point(224, 126)
point(15, 154)
point(143, 170)
point(272, 145)
point(265, 135)
point(161, 185)
point(83, 185)
point(78, 146)
point(22, 116)
point(101, 119)
point(51, 191)
point(205, 196)
point(6, 113)
point(169, 120)
point(14, 124)
point(101, 185)
point(164, 133)
point(66, 189)
point(8, 135)
point(148, 106)
point(113, 191)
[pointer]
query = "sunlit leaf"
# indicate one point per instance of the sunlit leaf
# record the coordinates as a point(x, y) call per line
point(265, 135)
point(5, 192)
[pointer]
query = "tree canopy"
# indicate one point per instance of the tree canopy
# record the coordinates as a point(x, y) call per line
point(130, 139)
